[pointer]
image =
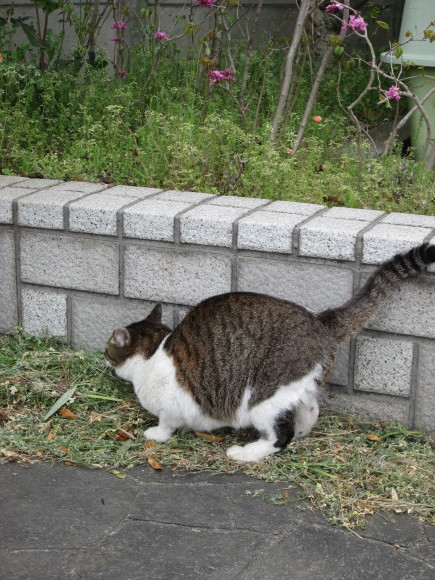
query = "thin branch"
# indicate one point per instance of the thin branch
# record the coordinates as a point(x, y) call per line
point(319, 77)
point(305, 8)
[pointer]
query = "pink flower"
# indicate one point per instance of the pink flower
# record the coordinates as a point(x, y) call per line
point(336, 6)
point(120, 24)
point(160, 36)
point(355, 23)
point(115, 39)
point(204, 3)
point(121, 73)
point(217, 76)
point(393, 93)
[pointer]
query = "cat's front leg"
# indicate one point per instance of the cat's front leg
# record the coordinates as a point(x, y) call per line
point(163, 431)
point(158, 433)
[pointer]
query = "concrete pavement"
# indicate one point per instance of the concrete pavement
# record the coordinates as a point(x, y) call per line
point(59, 522)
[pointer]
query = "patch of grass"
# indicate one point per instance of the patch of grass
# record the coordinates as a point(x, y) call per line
point(347, 467)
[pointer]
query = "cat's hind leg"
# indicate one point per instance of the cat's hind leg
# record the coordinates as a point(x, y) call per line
point(276, 432)
point(252, 451)
point(290, 412)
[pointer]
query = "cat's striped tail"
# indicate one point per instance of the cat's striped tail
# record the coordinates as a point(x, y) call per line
point(351, 317)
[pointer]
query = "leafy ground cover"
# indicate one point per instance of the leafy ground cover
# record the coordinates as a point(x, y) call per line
point(175, 135)
point(349, 468)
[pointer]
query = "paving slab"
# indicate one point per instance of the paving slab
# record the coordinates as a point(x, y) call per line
point(319, 553)
point(52, 507)
point(67, 522)
point(161, 552)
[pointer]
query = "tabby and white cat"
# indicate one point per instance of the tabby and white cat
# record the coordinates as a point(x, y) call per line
point(246, 360)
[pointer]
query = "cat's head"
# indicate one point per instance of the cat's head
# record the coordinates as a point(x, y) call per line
point(141, 338)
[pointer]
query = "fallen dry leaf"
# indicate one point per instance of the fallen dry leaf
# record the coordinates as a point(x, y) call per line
point(51, 435)
point(64, 449)
point(148, 444)
point(121, 436)
point(154, 463)
point(67, 414)
point(95, 417)
point(209, 437)
point(372, 437)
point(10, 455)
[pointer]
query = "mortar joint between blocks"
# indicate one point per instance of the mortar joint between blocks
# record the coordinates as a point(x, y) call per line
point(350, 387)
point(69, 319)
point(66, 224)
point(413, 385)
point(297, 228)
point(177, 218)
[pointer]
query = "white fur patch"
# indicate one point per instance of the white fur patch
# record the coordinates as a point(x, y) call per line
point(158, 391)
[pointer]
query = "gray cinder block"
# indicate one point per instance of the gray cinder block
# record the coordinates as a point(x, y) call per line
point(7, 196)
point(368, 406)
point(425, 393)
point(234, 201)
point(8, 288)
point(83, 187)
point(44, 312)
point(152, 219)
point(346, 213)
point(385, 240)
point(179, 277)
point(191, 197)
point(316, 287)
point(268, 231)
point(332, 238)
point(409, 219)
point(295, 207)
point(409, 310)
point(66, 262)
point(44, 209)
point(98, 213)
point(210, 225)
point(383, 365)
point(36, 183)
point(11, 180)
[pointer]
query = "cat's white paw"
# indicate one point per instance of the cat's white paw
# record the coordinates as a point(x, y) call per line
point(157, 434)
point(251, 452)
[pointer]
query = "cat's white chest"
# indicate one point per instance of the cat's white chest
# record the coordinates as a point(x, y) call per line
point(154, 380)
point(158, 391)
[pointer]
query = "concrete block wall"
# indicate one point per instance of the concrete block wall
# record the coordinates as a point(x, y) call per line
point(79, 259)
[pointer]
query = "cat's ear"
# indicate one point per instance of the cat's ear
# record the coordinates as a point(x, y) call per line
point(156, 314)
point(121, 337)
